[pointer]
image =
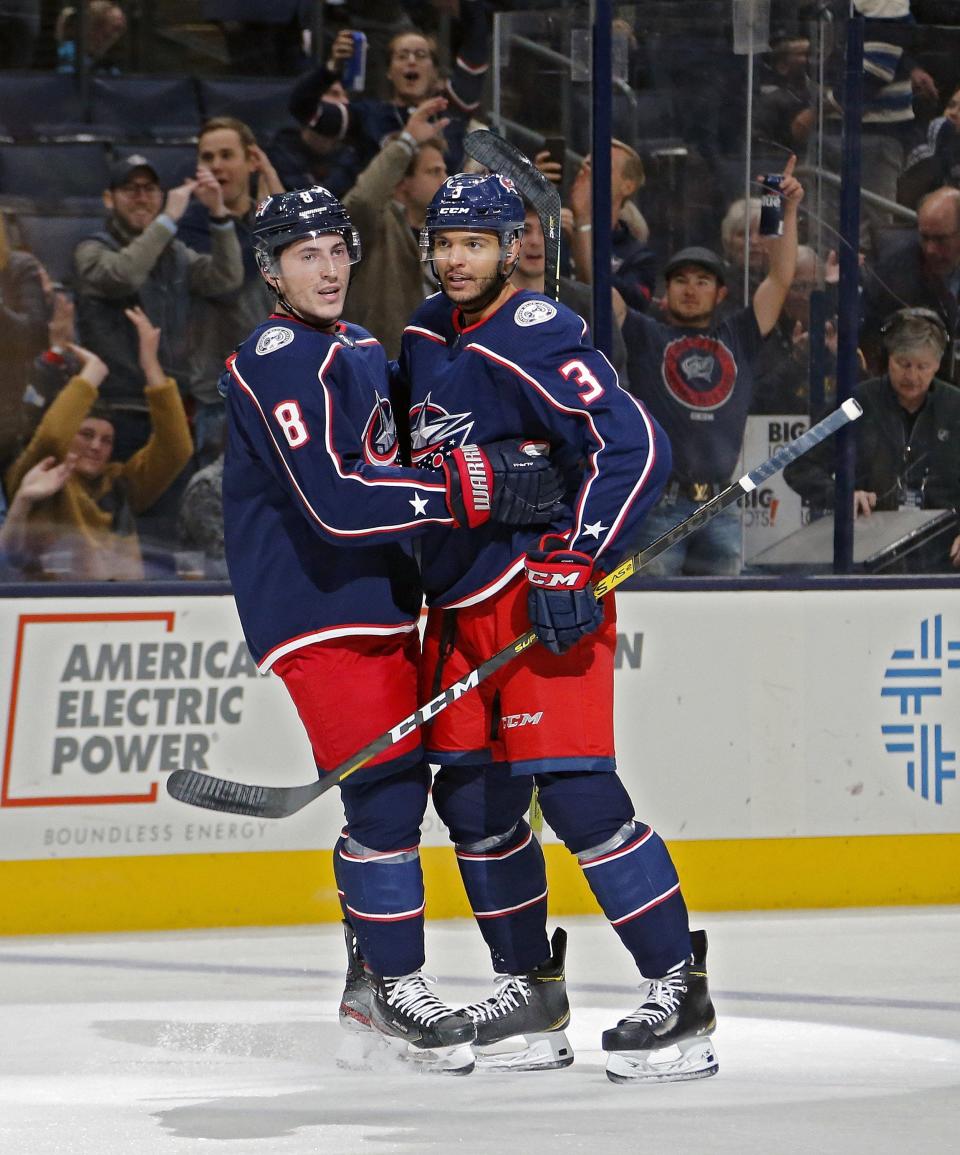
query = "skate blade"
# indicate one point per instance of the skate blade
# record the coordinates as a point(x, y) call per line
point(354, 1019)
point(546, 1051)
point(692, 1059)
point(455, 1060)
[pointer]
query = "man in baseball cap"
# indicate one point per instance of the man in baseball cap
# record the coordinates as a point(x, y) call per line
point(698, 257)
point(694, 372)
point(123, 171)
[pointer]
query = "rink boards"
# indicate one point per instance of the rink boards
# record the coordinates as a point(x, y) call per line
point(795, 748)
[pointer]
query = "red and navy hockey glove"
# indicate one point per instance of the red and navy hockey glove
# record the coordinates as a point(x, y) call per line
point(510, 482)
point(561, 602)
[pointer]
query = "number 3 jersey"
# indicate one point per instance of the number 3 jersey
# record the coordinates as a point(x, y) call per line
point(528, 371)
point(316, 513)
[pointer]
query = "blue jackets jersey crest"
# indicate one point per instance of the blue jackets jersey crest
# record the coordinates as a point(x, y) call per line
point(316, 512)
point(528, 371)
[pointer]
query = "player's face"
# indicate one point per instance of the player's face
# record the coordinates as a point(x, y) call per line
point(314, 275)
point(412, 71)
point(223, 153)
point(532, 252)
point(692, 296)
point(952, 109)
point(466, 263)
point(93, 445)
point(910, 372)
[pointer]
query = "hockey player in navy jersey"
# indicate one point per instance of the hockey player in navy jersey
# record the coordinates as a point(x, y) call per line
point(484, 361)
point(317, 515)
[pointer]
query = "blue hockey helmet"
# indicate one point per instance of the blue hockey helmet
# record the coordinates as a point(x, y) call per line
point(474, 201)
point(286, 217)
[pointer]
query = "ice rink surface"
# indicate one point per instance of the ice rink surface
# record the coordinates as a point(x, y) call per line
point(838, 1032)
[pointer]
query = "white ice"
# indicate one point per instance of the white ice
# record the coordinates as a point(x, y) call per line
point(838, 1032)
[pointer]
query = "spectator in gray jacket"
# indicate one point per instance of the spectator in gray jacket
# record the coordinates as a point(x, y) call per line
point(138, 260)
point(228, 149)
point(387, 205)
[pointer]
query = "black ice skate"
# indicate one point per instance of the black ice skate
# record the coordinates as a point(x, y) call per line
point(520, 1027)
point(357, 997)
point(421, 1027)
point(667, 1038)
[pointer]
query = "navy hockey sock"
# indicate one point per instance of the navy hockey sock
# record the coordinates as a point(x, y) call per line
point(506, 882)
point(382, 895)
point(636, 884)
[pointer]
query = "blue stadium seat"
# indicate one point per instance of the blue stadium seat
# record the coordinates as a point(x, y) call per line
point(39, 105)
point(52, 240)
point(144, 108)
point(64, 175)
point(262, 104)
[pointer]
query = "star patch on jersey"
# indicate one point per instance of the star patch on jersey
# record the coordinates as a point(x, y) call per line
point(273, 339)
point(534, 313)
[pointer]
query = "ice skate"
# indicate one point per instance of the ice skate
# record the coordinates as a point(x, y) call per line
point(424, 1030)
point(667, 1038)
point(520, 1027)
point(357, 995)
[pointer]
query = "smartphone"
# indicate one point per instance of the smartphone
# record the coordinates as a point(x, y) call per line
point(557, 147)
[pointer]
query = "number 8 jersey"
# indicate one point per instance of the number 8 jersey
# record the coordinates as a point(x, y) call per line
point(529, 371)
point(315, 509)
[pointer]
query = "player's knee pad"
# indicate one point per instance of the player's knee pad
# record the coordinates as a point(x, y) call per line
point(382, 895)
point(479, 802)
point(387, 812)
point(635, 882)
point(584, 809)
point(506, 882)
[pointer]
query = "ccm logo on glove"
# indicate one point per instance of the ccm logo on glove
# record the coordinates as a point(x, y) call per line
point(561, 575)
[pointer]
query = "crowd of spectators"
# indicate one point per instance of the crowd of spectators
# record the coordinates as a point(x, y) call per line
point(111, 425)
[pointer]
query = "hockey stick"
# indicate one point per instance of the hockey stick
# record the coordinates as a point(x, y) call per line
point(500, 156)
point(281, 801)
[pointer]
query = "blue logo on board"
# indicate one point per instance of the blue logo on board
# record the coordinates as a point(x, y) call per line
point(924, 681)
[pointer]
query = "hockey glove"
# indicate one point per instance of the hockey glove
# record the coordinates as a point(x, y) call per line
point(561, 602)
point(510, 482)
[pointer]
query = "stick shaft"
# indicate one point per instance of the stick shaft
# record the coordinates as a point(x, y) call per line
point(279, 801)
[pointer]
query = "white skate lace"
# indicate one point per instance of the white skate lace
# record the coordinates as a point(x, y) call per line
point(410, 995)
point(509, 991)
point(662, 999)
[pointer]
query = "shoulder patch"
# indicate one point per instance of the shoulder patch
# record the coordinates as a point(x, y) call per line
point(273, 339)
point(534, 313)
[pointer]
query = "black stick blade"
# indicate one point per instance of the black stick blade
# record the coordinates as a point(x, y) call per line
point(240, 797)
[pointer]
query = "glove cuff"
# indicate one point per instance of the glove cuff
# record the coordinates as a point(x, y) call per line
point(469, 486)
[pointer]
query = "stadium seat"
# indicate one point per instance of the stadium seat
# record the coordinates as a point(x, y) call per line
point(52, 240)
point(39, 105)
point(145, 108)
point(262, 104)
point(63, 175)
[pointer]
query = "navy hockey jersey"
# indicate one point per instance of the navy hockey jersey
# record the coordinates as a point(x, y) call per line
point(528, 370)
point(315, 509)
